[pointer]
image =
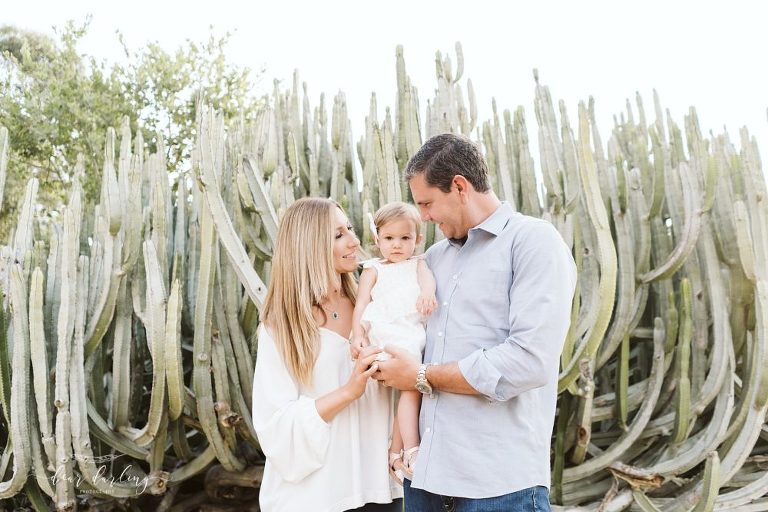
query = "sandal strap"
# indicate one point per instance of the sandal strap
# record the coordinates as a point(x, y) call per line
point(409, 459)
point(410, 453)
point(397, 474)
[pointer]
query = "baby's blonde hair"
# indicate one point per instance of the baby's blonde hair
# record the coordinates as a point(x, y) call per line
point(394, 211)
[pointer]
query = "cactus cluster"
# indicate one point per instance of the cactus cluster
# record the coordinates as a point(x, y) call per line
point(127, 328)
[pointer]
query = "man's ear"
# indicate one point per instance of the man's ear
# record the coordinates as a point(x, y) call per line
point(461, 184)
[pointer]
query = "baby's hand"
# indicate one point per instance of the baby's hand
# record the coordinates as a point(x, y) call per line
point(426, 304)
point(356, 344)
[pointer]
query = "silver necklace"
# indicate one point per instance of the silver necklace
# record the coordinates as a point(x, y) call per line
point(334, 314)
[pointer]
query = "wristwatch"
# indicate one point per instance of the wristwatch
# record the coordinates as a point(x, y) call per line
point(422, 384)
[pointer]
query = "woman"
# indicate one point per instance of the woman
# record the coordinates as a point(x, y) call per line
point(321, 421)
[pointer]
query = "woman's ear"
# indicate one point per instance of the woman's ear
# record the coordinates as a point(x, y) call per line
point(419, 238)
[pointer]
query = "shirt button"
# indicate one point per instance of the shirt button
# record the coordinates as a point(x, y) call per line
point(445, 303)
point(440, 333)
point(427, 430)
point(455, 276)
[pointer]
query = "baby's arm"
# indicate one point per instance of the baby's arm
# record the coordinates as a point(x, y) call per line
point(427, 302)
point(364, 287)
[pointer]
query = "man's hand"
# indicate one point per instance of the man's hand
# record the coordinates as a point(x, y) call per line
point(399, 371)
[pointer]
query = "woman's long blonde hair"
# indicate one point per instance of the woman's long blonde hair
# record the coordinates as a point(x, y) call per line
point(302, 274)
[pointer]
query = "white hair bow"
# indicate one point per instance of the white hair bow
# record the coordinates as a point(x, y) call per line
point(374, 231)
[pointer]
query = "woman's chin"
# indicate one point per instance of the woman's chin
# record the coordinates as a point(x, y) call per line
point(346, 267)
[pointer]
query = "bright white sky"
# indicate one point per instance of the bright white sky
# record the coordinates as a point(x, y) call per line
point(711, 55)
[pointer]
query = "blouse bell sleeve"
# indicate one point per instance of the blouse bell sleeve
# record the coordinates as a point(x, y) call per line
point(292, 435)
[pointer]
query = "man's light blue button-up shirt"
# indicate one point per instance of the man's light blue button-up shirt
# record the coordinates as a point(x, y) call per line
point(504, 305)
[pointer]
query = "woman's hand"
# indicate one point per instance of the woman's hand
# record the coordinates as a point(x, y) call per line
point(334, 402)
point(365, 366)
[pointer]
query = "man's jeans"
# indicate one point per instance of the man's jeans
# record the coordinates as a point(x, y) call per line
point(533, 499)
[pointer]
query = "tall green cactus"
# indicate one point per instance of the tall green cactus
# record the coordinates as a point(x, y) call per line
point(19, 406)
point(145, 306)
point(3, 161)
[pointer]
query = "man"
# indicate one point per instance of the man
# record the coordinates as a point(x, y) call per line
point(505, 283)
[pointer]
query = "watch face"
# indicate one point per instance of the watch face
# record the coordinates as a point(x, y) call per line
point(423, 388)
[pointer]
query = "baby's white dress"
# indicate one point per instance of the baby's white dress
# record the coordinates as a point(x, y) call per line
point(391, 317)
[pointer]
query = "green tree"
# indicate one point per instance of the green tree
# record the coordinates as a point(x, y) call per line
point(53, 104)
point(58, 103)
point(163, 87)
point(13, 39)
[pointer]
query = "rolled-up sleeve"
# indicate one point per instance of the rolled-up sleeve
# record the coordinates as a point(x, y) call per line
point(291, 433)
point(540, 297)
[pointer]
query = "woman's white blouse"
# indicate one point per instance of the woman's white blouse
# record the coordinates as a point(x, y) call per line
point(311, 464)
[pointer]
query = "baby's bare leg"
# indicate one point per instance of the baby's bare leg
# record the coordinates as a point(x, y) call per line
point(408, 418)
point(396, 467)
point(397, 439)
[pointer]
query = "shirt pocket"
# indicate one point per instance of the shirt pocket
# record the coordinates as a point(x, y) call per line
point(494, 283)
point(488, 299)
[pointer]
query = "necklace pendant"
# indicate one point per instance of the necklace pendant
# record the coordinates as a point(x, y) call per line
point(334, 315)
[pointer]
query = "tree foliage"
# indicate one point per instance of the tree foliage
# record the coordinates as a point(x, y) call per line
point(58, 103)
point(163, 87)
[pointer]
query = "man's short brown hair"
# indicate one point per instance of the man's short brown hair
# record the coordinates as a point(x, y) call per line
point(447, 155)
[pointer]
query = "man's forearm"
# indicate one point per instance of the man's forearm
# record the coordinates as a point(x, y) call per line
point(447, 377)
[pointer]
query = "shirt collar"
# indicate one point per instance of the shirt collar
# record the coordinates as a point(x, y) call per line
point(494, 224)
point(497, 221)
